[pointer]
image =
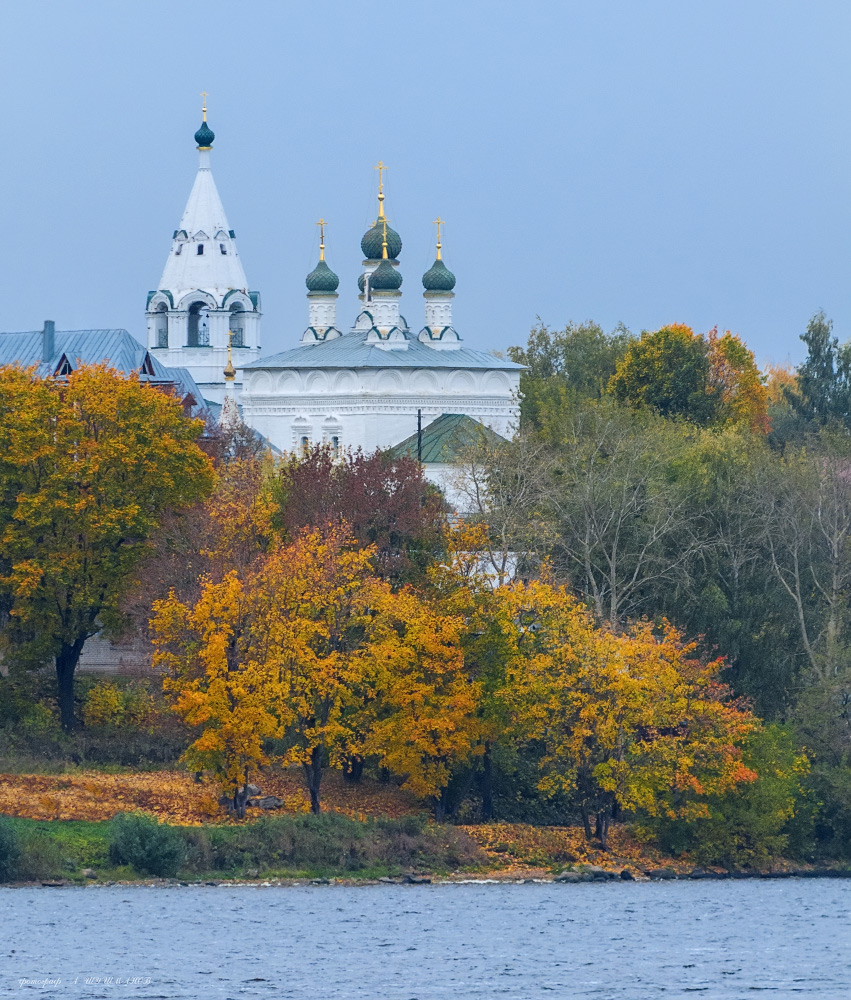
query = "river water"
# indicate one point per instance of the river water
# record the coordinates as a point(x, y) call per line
point(789, 938)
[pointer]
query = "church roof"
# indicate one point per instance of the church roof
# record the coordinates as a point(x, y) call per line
point(445, 438)
point(203, 223)
point(352, 351)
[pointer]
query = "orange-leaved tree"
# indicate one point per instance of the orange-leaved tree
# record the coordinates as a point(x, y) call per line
point(285, 649)
point(89, 465)
point(632, 722)
point(738, 382)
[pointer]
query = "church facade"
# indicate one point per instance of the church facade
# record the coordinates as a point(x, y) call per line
point(364, 384)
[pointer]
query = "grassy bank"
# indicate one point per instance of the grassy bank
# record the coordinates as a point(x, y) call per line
point(286, 846)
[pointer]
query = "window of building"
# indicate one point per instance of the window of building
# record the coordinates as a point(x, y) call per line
point(335, 444)
point(178, 250)
point(162, 325)
point(223, 248)
point(200, 249)
point(305, 444)
point(198, 329)
point(237, 325)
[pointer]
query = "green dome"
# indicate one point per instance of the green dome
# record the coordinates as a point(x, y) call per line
point(385, 278)
point(205, 135)
point(322, 279)
point(373, 241)
point(438, 278)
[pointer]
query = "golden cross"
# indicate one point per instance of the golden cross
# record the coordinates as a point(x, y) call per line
point(380, 168)
point(204, 95)
point(322, 224)
point(439, 222)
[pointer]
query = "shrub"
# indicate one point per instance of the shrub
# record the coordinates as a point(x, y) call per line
point(152, 848)
point(330, 842)
point(751, 825)
point(41, 857)
point(104, 706)
point(10, 849)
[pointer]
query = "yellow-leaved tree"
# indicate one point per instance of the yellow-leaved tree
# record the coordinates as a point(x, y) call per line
point(426, 722)
point(281, 651)
point(626, 722)
point(90, 463)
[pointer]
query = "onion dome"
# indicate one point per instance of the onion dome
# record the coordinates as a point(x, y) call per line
point(322, 279)
point(438, 278)
point(205, 135)
point(373, 240)
point(385, 278)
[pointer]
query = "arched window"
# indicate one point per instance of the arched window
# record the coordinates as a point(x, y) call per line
point(198, 333)
point(305, 444)
point(200, 249)
point(162, 325)
point(237, 325)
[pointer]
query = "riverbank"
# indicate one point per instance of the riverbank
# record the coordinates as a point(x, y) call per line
point(371, 832)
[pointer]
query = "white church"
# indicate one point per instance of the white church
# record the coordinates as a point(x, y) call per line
point(363, 385)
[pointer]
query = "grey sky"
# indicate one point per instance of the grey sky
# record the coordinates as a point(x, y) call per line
point(643, 162)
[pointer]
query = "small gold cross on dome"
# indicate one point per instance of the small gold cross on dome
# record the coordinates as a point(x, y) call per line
point(439, 222)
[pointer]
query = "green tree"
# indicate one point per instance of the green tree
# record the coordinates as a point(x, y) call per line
point(565, 365)
point(88, 466)
point(823, 392)
point(667, 370)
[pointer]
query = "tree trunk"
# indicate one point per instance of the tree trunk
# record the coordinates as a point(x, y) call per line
point(66, 663)
point(586, 822)
point(353, 768)
point(313, 773)
point(240, 797)
point(601, 831)
point(487, 784)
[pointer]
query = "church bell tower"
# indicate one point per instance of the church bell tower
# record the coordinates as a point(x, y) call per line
point(203, 302)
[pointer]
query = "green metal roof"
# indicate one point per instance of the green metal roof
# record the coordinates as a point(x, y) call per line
point(446, 438)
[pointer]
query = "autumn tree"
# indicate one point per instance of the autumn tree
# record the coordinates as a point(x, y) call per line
point(427, 724)
point(89, 465)
point(386, 502)
point(297, 630)
point(668, 371)
point(632, 722)
point(737, 383)
point(214, 683)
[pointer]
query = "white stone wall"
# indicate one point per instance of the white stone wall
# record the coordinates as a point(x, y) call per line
point(372, 407)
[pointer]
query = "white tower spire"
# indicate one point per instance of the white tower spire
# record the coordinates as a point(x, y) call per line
point(203, 294)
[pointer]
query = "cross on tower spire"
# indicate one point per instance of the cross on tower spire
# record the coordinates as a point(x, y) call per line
point(439, 222)
point(204, 96)
point(322, 224)
point(380, 167)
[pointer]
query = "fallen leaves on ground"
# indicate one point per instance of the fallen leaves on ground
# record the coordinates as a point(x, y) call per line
point(175, 797)
point(517, 846)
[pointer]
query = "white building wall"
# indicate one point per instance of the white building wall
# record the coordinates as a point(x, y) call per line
point(373, 407)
